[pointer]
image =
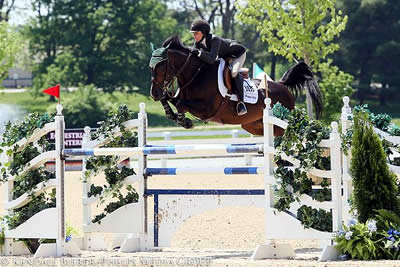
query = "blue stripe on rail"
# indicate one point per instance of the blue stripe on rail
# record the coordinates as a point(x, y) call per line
point(160, 171)
point(242, 148)
point(79, 152)
point(242, 170)
point(150, 192)
point(152, 150)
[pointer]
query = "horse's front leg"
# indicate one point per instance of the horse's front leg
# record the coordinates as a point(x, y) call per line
point(183, 121)
point(168, 110)
point(181, 118)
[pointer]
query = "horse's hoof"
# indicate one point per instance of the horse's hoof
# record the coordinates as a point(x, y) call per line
point(187, 124)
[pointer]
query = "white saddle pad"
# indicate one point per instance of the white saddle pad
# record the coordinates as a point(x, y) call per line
point(250, 90)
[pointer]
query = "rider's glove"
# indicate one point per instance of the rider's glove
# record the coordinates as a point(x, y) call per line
point(194, 51)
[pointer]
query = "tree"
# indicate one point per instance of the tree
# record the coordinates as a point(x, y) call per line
point(9, 47)
point(374, 184)
point(5, 9)
point(106, 42)
point(296, 29)
point(219, 13)
point(371, 42)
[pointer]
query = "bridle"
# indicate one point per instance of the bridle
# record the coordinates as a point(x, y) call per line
point(171, 80)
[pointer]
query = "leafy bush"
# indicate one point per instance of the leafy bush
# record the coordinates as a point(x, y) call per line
point(377, 238)
point(86, 107)
point(335, 84)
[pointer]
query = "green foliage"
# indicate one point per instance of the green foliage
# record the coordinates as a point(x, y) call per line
point(369, 45)
point(23, 128)
point(114, 174)
point(9, 48)
point(85, 107)
point(102, 43)
point(300, 140)
point(63, 71)
point(299, 129)
point(335, 84)
point(315, 218)
point(360, 242)
point(393, 129)
point(38, 203)
point(130, 197)
point(279, 111)
point(27, 182)
point(374, 184)
point(301, 29)
point(378, 238)
point(304, 30)
point(114, 119)
point(3, 226)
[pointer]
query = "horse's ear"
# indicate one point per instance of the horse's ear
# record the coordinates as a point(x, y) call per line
point(152, 47)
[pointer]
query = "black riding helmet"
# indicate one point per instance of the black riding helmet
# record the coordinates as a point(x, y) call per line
point(200, 25)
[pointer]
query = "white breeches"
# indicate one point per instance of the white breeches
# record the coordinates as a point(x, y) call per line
point(237, 64)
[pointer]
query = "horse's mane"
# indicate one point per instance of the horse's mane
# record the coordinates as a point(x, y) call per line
point(174, 42)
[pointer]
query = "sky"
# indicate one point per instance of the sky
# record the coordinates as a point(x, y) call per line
point(23, 11)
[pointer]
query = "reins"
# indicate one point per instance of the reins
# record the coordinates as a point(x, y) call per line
point(178, 73)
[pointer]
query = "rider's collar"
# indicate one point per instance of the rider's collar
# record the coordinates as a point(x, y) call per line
point(203, 41)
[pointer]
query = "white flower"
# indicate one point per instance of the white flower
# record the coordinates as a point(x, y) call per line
point(348, 235)
point(352, 222)
point(371, 225)
point(341, 233)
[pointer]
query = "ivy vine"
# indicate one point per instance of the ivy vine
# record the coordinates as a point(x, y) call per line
point(382, 122)
point(300, 141)
point(114, 174)
point(27, 182)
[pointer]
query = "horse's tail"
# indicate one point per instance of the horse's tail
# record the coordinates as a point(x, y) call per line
point(299, 76)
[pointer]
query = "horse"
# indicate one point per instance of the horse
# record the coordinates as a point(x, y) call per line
point(199, 95)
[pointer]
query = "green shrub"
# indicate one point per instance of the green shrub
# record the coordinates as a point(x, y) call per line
point(378, 238)
point(374, 184)
point(86, 107)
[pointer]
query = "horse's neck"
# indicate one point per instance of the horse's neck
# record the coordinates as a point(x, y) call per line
point(190, 71)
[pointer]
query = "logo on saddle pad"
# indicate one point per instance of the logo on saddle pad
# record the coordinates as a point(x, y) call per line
point(249, 88)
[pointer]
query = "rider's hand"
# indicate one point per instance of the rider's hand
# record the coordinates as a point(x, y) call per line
point(194, 51)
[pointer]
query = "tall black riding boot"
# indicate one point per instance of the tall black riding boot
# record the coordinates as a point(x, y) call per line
point(240, 107)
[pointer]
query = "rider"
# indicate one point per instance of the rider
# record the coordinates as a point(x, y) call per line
point(210, 47)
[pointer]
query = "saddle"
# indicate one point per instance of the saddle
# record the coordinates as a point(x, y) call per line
point(227, 74)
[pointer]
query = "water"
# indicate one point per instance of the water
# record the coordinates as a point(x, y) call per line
point(9, 112)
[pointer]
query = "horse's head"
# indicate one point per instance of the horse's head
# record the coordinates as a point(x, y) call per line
point(164, 66)
point(161, 75)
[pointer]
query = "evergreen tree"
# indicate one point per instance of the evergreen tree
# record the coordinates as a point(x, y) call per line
point(374, 184)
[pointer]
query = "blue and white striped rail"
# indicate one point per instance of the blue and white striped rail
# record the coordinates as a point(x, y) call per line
point(210, 149)
point(226, 171)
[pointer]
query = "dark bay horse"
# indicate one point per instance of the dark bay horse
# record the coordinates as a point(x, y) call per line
point(199, 94)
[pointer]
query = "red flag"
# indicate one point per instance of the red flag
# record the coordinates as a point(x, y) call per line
point(54, 91)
